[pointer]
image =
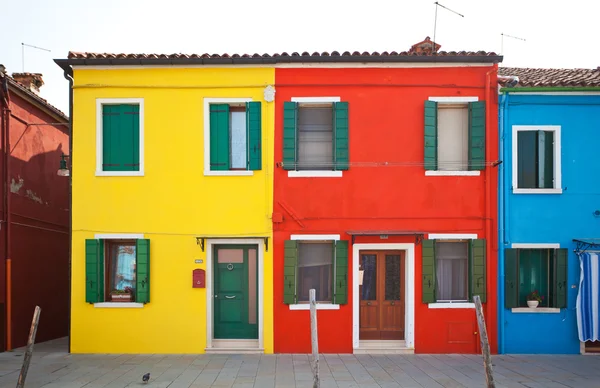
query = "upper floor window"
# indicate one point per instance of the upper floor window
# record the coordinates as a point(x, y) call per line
point(233, 136)
point(536, 159)
point(120, 137)
point(315, 135)
point(454, 134)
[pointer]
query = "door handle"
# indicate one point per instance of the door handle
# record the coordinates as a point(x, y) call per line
point(368, 303)
point(230, 296)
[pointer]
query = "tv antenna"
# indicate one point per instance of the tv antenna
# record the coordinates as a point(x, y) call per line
point(437, 4)
point(23, 52)
point(508, 36)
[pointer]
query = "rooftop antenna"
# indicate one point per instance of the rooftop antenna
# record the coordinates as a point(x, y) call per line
point(23, 52)
point(437, 4)
point(502, 41)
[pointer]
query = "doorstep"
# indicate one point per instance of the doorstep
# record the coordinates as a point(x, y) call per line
point(234, 347)
point(382, 347)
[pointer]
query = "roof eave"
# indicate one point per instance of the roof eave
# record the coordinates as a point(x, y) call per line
point(531, 89)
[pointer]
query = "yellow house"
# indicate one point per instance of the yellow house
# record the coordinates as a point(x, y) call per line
point(172, 184)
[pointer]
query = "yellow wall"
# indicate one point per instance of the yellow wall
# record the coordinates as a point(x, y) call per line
point(172, 204)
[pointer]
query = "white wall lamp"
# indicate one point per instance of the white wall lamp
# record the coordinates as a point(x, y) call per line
point(63, 170)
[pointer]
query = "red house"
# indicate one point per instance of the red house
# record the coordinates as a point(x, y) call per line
point(34, 237)
point(385, 200)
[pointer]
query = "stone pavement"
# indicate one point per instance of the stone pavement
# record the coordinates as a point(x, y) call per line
point(53, 367)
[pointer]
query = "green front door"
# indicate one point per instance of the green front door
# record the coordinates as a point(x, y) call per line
point(236, 292)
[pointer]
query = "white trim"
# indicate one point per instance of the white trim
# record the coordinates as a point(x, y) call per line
point(228, 173)
point(324, 65)
point(209, 284)
point(119, 305)
point(554, 93)
point(452, 236)
point(557, 159)
point(316, 99)
point(537, 191)
point(120, 236)
point(206, 103)
point(320, 306)
point(315, 237)
point(315, 174)
point(537, 310)
point(451, 173)
point(535, 246)
point(99, 149)
point(409, 290)
point(451, 305)
point(453, 100)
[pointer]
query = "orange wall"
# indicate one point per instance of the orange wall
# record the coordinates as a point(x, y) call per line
point(386, 125)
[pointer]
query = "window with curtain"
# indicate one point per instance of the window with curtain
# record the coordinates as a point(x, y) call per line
point(121, 266)
point(453, 137)
point(315, 136)
point(536, 274)
point(315, 270)
point(535, 159)
point(451, 270)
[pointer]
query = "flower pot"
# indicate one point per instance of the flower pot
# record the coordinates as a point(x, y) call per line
point(532, 303)
point(120, 297)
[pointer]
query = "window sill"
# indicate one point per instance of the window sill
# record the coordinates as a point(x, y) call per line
point(538, 310)
point(537, 191)
point(320, 306)
point(126, 305)
point(315, 174)
point(452, 305)
point(228, 173)
point(452, 173)
point(119, 173)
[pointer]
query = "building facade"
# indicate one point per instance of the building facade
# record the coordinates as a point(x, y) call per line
point(548, 208)
point(172, 199)
point(385, 201)
point(34, 238)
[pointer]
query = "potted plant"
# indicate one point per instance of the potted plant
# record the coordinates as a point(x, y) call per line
point(534, 299)
point(124, 295)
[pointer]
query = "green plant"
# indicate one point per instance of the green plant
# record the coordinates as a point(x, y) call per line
point(535, 295)
point(126, 290)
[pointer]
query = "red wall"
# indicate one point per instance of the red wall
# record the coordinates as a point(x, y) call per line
point(40, 222)
point(386, 114)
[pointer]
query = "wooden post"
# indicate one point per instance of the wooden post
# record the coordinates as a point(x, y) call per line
point(314, 337)
point(485, 345)
point(29, 350)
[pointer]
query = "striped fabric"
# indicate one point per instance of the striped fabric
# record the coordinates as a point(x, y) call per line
point(588, 299)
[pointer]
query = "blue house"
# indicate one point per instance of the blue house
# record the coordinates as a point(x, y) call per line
point(549, 210)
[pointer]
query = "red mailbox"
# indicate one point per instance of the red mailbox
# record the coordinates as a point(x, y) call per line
point(198, 278)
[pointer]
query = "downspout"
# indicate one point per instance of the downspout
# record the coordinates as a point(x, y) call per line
point(6, 206)
point(501, 186)
point(68, 74)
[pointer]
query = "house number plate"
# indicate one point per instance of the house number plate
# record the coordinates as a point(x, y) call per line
point(198, 261)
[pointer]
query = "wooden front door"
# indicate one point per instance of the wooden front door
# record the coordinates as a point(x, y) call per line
point(382, 296)
point(235, 292)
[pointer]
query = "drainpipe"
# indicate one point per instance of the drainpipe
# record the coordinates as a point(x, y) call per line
point(501, 186)
point(6, 113)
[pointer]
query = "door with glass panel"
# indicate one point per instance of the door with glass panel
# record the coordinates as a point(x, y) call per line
point(381, 292)
point(235, 282)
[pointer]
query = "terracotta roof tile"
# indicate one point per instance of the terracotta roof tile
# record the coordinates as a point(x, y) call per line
point(16, 84)
point(530, 77)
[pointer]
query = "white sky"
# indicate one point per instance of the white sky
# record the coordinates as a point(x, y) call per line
point(559, 34)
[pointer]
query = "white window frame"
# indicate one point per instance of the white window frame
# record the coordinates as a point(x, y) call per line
point(316, 173)
point(100, 102)
point(315, 237)
point(557, 159)
point(453, 100)
point(451, 304)
point(119, 236)
point(207, 102)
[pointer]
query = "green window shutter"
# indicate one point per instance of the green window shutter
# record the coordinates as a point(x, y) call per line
point(430, 135)
point(253, 128)
point(340, 289)
point(290, 119)
point(142, 271)
point(477, 135)
point(121, 137)
point(477, 271)
point(219, 137)
point(428, 269)
point(340, 153)
point(94, 271)
point(511, 278)
point(560, 277)
point(290, 263)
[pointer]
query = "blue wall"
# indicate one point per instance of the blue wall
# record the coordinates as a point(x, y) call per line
point(549, 218)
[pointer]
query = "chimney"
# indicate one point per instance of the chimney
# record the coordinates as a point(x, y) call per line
point(424, 47)
point(32, 81)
